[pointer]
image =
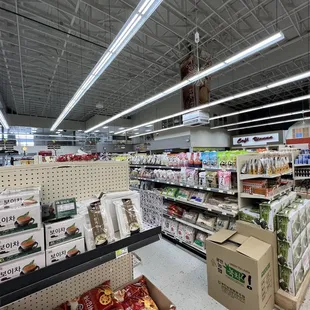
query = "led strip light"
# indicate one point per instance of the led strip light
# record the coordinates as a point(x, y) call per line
point(246, 53)
point(226, 99)
point(274, 123)
point(155, 131)
point(136, 20)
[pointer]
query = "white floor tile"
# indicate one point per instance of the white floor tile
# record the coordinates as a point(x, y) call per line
point(181, 276)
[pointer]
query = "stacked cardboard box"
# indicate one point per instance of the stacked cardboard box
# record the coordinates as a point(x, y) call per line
point(21, 232)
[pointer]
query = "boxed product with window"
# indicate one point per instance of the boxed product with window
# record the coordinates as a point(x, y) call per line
point(249, 214)
point(61, 231)
point(240, 271)
point(268, 211)
point(18, 245)
point(21, 266)
point(14, 220)
point(64, 251)
point(288, 224)
point(303, 214)
point(289, 254)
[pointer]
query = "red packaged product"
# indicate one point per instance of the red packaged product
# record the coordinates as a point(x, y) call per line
point(99, 298)
point(174, 210)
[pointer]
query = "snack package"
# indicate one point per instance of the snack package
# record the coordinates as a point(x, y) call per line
point(221, 222)
point(200, 239)
point(99, 298)
point(183, 194)
point(189, 235)
point(129, 215)
point(197, 196)
point(190, 216)
point(181, 231)
point(174, 210)
point(224, 180)
point(207, 221)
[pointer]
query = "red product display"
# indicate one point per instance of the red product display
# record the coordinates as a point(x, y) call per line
point(77, 157)
point(174, 210)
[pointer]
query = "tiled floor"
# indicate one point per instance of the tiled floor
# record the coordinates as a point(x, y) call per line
point(181, 276)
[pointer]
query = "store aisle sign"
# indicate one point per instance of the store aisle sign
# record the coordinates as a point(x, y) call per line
point(256, 140)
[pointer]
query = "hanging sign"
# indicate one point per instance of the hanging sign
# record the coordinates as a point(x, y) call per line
point(256, 140)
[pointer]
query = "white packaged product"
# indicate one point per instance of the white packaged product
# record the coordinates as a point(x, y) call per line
point(61, 231)
point(21, 266)
point(14, 220)
point(19, 245)
point(129, 215)
point(64, 251)
point(189, 235)
point(19, 197)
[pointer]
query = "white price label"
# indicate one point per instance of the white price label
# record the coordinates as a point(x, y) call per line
point(121, 252)
point(66, 207)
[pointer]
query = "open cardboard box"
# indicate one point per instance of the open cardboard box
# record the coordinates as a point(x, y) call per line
point(162, 302)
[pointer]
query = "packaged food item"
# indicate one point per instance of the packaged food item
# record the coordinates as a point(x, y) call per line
point(19, 267)
point(174, 210)
point(189, 235)
point(64, 251)
point(268, 211)
point(250, 214)
point(63, 230)
point(308, 233)
point(221, 222)
point(232, 224)
point(65, 208)
point(190, 216)
point(99, 298)
point(183, 194)
point(305, 261)
point(207, 221)
point(14, 220)
point(204, 157)
point(224, 180)
point(19, 245)
point(213, 160)
point(289, 254)
point(173, 228)
point(303, 241)
point(129, 216)
point(211, 179)
point(181, 231)
point(288, 224)
point(200, 239)
point(172, 191)
point(12, 198)
point(197, 197)
point(303, 214)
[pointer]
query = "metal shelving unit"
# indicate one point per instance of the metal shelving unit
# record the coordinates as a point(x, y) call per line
point(179, 168)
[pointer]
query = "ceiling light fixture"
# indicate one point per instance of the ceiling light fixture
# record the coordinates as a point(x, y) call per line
point(246, 53)
point(156, 131)
point(268, 124)
point(138, 17)
point(229, 98)
point(105, 127)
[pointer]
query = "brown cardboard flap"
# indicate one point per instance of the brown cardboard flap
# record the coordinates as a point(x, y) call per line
point(221, 236)
point(238, 238)
point(253, 248)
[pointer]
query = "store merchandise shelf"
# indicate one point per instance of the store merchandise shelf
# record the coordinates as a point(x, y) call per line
point(203, 206)
point(301, 178)
point(179, 168)
point(23, 286)
point(301, 165)
point(264, 176)
point(210, 232)
point(209, 189)
point(273, 197)
point(190, 247)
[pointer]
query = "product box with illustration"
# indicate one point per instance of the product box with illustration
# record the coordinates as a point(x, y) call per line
point(14, 220)
point(18, 245)
point(61, 231)
point(64, 251)
point(288, 224)
point(240, 271)
point(289, 253)
point(21, 266)
point(268, 211)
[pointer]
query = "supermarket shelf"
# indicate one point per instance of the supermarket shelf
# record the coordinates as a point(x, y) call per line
point(264, 176)
point(273, 197)
point(179, 168)
point(209, 189)
point(301, 165)
point(301, 178)
point(210, 232)
point(189, 247)
point(23, 286)
point(203, 206)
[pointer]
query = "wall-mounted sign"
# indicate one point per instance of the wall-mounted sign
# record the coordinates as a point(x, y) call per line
point(256, 140)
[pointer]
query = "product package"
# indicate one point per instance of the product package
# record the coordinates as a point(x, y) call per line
point(303, 240)
point(289, 254)
point(64, 251)
point(19, 245)
point(14, 220)
point(207, 221)
point(12, 198)
point(181, 231)
point(65, 208)
point(189, 235)
point(129, 215)
point(224, 180)
point(249, 214)
point(200, 240)
point(21, 266)
point(268, 211)
point(183, 194)
point(61, 231)
point(197, 196)
point(221, 222)
point(288, 224)
point(190, 216)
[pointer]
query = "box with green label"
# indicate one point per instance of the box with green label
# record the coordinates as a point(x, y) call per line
point(18, 245)
point(65, 208)
point(240, 271)
point(289, 254)
point(63, 230)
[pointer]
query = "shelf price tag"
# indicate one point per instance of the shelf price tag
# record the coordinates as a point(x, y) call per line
point(121, 252)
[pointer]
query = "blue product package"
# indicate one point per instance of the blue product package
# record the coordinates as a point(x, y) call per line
point(213, 159)
point(204, 157)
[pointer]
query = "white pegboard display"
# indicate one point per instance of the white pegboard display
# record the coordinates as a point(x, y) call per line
point(119, 271)
point(64, 180)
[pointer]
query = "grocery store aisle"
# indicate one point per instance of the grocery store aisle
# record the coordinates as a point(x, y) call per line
point(181, 276)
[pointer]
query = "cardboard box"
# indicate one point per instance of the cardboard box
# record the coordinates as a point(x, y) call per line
point(21, 266)
point(240, 271)
point(304, 240)
point(64, 251)
point(14, 220)
point(288, 224)
point(289, 254)
point(303, 214)
point(162, 302)
point(268, 211)
point(62, 231)
point(269, 237)
point(19, 198)
point(19, 245)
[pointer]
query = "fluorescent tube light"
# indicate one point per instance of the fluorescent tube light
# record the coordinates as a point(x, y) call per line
point(262, 119)
point(156, 131)
point(274, 123)
point(246, 53)
point(138, 17)
point(290, 80)
point(229, 98)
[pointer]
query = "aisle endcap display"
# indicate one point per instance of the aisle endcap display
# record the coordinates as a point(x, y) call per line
point(20, 287)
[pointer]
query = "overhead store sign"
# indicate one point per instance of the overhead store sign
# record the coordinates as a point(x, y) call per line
point(256, 140)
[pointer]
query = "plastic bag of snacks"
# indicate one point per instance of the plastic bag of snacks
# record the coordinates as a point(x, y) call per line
point(99, 298)
point(135, 297)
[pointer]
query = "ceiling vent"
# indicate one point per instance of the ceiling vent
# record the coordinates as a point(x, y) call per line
point(195, 119)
